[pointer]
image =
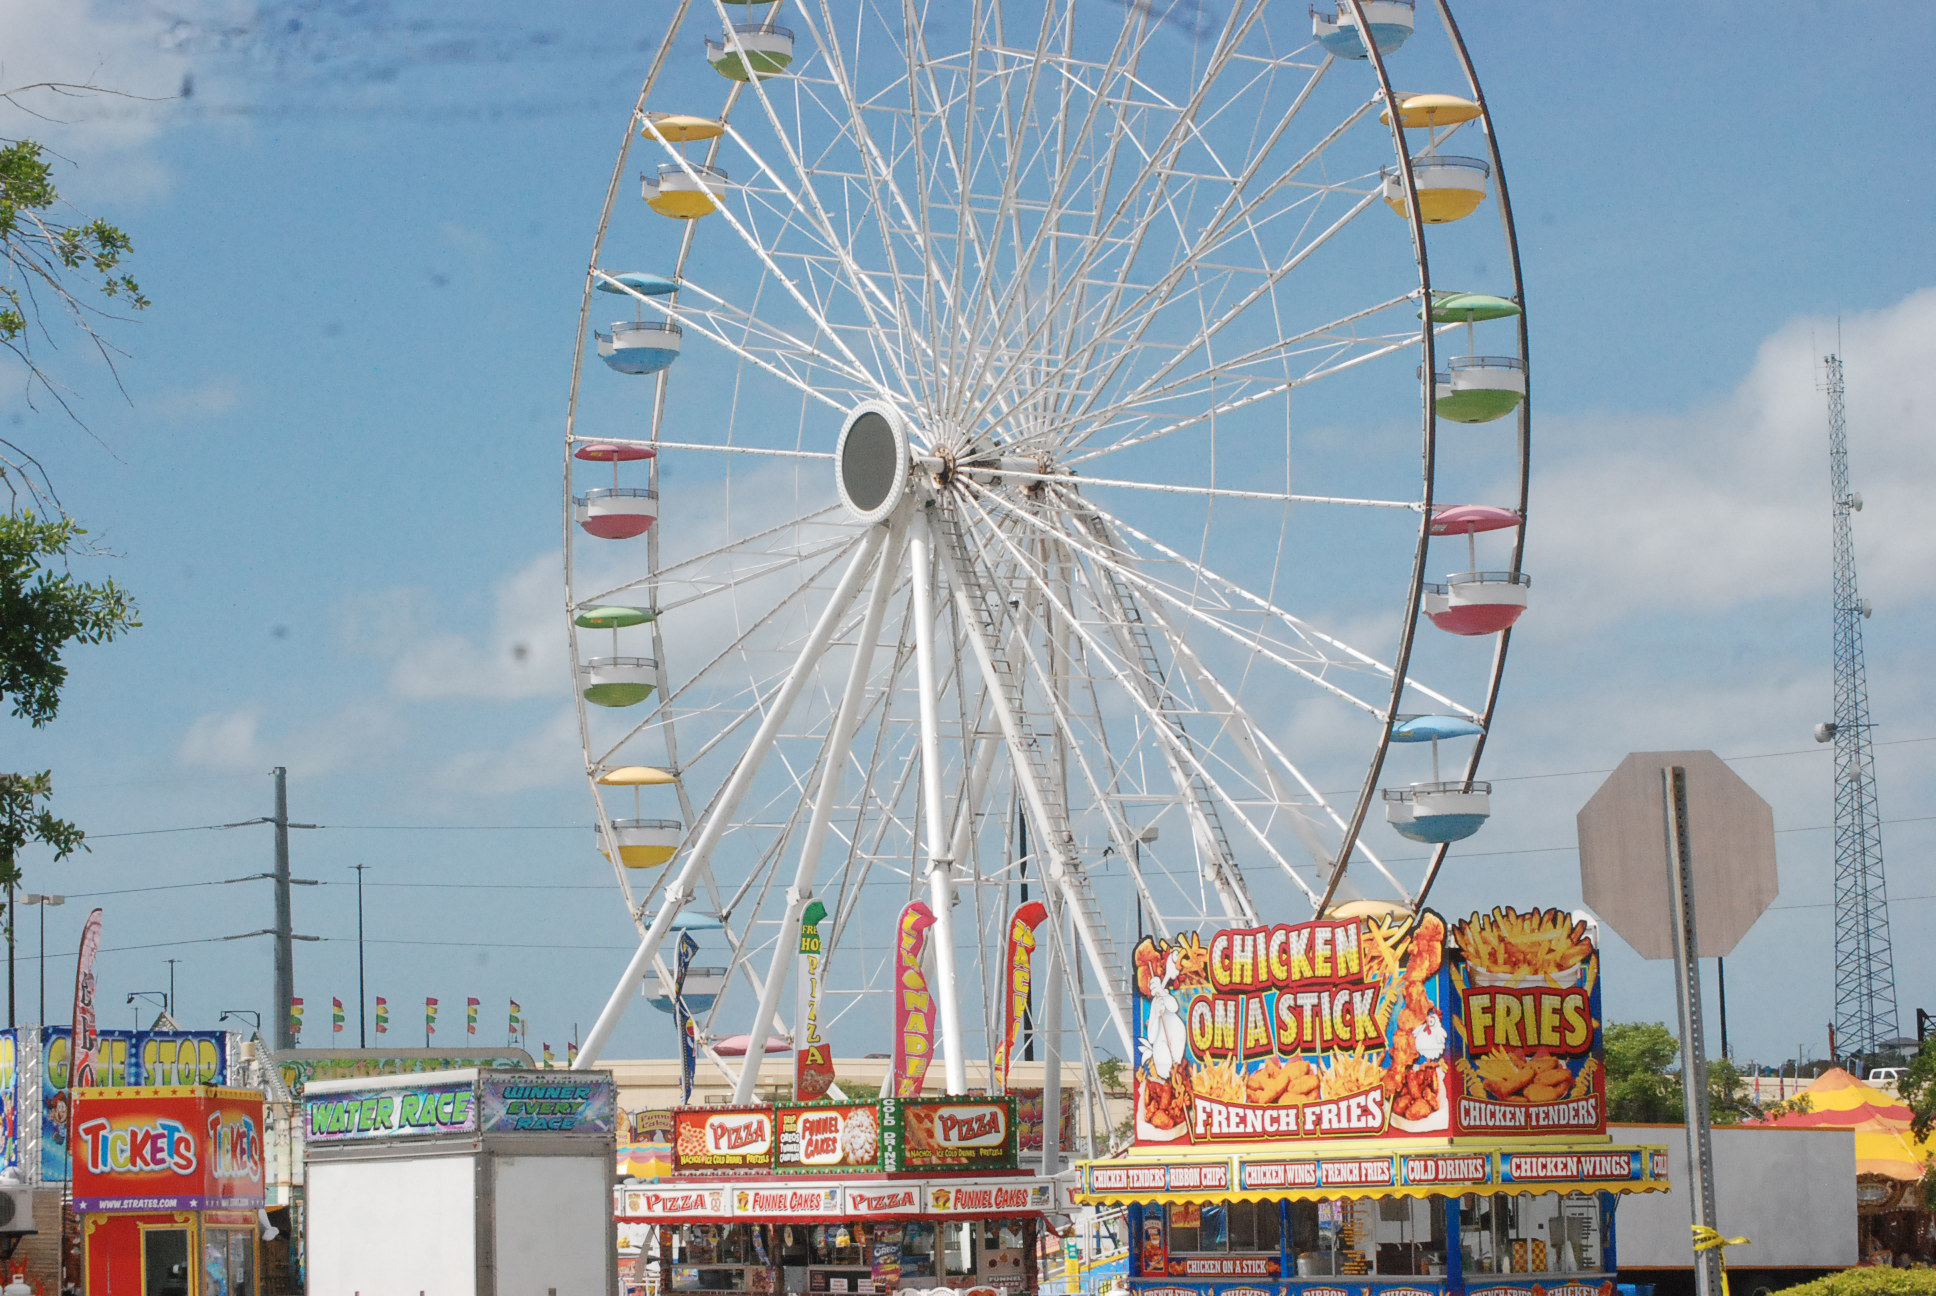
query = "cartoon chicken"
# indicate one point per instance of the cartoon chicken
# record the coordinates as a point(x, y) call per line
point(1167, 1040)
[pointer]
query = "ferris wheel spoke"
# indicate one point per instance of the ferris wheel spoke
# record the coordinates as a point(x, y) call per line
point(1186, 756)
point(822, 793)
point(1198, 236)
point(1227, 407)
point(1142, 310)
point(670, 699)
point(986, 315)
point(1297, 625)
point(1157, 160)
point(1254, 642)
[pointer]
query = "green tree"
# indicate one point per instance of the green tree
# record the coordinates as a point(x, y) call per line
point(43, 609)
point(1917, 1087)
point(63, 272)
point(1644, 1081)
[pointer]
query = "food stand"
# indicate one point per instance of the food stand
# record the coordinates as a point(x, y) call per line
point(167, 1183)
point(1372, 1103)
point(844, 1199)
point(488, 1181)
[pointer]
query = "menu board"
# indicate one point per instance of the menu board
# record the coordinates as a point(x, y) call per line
point(722, 1138)
point(1526, 1012)
point(826, 1137)
point(953, 1133)
point(1384, 1024)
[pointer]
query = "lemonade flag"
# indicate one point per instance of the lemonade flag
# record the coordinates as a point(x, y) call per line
point(1017, 983)
point(913, 1002)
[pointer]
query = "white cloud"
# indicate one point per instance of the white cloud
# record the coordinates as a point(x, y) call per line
point(1726, 504)
point(521, 655)
point(82, 42)
point(547, 756)
point(224, 740)
point(233, 741)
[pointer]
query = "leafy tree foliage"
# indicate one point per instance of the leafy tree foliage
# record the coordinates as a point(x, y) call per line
point(42, 610)
point(62, 272)
point(1644, 1080)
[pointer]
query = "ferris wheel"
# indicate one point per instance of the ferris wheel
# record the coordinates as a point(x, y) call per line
point(1030, 455)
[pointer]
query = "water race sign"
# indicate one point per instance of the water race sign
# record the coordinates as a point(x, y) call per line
point(1382, 1024)
point(404, 1112)
point(174, 1148)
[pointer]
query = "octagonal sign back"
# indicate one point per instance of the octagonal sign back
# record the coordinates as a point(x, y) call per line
point(1731, 853)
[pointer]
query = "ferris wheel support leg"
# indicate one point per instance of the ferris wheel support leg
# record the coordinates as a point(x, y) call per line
point(941, 888)
point(679, 890)
point(1049, 1032)
point(832, 764)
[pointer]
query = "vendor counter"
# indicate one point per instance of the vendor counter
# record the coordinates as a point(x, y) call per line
point(1400, 1221)
point(873, 1238)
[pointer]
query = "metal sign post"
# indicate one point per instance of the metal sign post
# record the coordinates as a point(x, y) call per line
point(1687, 979)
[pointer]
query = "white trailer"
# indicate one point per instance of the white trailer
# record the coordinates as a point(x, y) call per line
point(1791, 1192)
point(461, 1183)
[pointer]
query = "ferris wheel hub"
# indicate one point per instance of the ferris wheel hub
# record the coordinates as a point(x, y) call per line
point(871, 460)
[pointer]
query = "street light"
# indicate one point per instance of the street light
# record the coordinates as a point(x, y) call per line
point(254, 1017)
point(149, 995)
point(42, 902)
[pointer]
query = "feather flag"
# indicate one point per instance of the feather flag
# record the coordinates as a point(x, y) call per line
point(335, 1016)
point(913, 1003)
point(382, 1015)
point(470, 1016)
point(295, 1018)
point(1018, 985)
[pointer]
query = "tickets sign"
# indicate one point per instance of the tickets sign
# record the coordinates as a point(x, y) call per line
point(822, 1137)
point(167, 1149)
point(1370, 1026)
point(723, 1138)
point(954, 1133)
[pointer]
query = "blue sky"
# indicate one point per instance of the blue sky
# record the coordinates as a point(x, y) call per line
point(334, 482)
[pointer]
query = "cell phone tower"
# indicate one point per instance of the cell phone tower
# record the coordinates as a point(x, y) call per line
point(1865, 972)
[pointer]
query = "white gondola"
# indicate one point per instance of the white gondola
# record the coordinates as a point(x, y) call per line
point(751, 51)
point(1449, 188)
point(617, 512)
point(1477, 603)
point(618, 681)
point(1391, 23)
point(1438, 812)
point(685, 190)
point(645, 843)
point(635, 347)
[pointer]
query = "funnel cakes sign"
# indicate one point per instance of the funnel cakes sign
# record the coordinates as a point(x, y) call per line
point(1352, 1028)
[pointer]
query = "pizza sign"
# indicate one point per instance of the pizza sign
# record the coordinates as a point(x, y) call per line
point(942, 1133)
point(722, 1138)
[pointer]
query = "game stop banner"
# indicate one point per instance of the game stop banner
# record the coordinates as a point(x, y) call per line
point(1386, 1024)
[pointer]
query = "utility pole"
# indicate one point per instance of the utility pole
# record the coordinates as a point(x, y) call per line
point(1865, 974)
point(362, 997)
point(285, 923)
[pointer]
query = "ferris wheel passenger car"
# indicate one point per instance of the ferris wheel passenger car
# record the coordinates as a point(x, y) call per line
point(1390, 21)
